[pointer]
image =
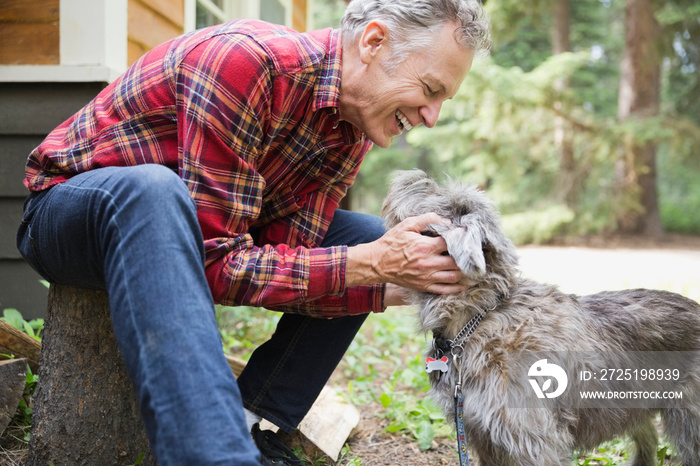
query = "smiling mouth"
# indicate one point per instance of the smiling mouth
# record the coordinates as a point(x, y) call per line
point(404, 124)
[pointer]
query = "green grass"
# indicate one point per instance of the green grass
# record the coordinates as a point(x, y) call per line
point(385, 366)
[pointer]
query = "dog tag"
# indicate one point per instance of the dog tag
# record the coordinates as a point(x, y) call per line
point(436, 365)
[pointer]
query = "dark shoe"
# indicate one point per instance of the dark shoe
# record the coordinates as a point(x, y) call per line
point(274, 452)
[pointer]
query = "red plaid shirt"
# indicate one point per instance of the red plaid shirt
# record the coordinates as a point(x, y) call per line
point(247, 114)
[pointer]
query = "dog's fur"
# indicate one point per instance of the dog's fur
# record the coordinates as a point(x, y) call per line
point(527, 316)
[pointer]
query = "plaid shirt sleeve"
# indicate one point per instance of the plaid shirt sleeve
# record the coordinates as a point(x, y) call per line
point(286, 230)
point(226, 113)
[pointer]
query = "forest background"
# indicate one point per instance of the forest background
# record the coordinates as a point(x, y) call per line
point(584, 118)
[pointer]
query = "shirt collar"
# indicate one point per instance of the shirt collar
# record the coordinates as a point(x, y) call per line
point(327, 87)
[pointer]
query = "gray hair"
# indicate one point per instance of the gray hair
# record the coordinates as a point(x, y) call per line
point(413, 24)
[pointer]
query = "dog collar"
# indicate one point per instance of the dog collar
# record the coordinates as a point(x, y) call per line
point(455, 346)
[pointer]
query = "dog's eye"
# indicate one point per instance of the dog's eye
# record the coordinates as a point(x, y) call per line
point(430, 233)
point(460, 210)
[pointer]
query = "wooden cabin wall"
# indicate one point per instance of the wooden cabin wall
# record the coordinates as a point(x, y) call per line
point(29, 32)
point(152, 22)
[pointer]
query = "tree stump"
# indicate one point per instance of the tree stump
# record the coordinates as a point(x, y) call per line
point(85, 412)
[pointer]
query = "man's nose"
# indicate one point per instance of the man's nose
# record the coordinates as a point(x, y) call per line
point(430, 113)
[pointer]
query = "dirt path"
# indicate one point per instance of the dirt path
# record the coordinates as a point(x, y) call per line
point(673, 265)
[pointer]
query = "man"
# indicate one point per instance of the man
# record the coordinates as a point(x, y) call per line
point(211, 171)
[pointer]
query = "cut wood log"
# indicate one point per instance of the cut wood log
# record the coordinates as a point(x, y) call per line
point(19, 344)
point(13, 374)
point(327, 425)
point(325, 428)
point(237, 364)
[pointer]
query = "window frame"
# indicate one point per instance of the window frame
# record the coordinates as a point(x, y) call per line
point(232, 9)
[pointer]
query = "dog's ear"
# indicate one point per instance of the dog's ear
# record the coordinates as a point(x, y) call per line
point(406, 191)
point(464, 244)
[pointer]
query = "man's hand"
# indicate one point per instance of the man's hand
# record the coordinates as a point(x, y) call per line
point(405, 257)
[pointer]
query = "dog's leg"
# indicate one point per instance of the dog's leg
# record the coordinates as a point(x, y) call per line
point(490, 454)
point(646, 440)
point(550, 451)
point(682, 427)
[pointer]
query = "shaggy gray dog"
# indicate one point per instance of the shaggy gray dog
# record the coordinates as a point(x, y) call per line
point(600, 335)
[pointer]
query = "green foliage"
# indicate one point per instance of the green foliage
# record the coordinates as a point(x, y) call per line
point(522, 35)
point(535, 227)
point(608, 454)
point(385, 369)
point(681, 90)
point(616, 452)
point(327, 13)
point(514, 21)
point(243, 328)
point(418, 415)
point(347, 458)
point(499, 131)
point(503, 141)
point(318, 459)
point(23, 417)
point(679, 193)
point(139, 459)
point(32, 328)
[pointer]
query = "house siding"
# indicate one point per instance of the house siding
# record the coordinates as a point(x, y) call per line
point(29, 32)
point(299, 15)
point(29, 111)
point(152, 22)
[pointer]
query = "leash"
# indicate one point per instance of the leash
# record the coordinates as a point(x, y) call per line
point(459, 421)
point(439, 363)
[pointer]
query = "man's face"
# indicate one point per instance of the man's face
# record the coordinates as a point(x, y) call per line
point(413, 93)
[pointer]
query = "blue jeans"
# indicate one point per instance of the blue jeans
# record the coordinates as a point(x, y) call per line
point(133, 232)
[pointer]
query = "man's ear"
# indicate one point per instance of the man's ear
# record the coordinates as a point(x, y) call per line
point(374, 39)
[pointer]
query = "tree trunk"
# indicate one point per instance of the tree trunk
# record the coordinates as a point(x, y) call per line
point(86, 411)
point(640, 84)
point(567, 181)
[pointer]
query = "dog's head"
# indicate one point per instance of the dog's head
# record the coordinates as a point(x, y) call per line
point(474, 239)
